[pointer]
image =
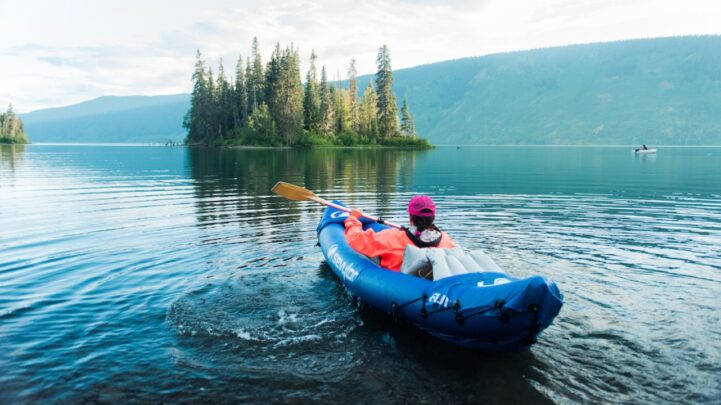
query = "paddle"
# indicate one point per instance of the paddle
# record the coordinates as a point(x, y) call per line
point(297, 193)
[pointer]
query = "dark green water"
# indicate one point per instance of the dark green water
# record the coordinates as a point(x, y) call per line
point(170, 274)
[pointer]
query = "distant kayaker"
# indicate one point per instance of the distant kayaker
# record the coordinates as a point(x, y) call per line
point(390, 244)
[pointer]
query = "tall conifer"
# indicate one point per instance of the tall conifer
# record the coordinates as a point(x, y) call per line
point(387, 105)
point(240, 109)
point(407, 126)
point(326, 102)
point(311, 97)
point(368, 118)
point(353, 96)
point(256, 78)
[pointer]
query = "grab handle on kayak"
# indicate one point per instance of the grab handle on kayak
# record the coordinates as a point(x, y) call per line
point(297, 193)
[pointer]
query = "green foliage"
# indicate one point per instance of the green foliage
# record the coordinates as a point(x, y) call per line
point(311, 98)
point(653, 91)
point(353, 97)
point(406, 142)
point(386, 101)
point(284, 93)
point(367, 114)
point(326, 101)
point(284, 112)
point(11, 128)
point(255, 77)
point(408, 128)
point(262, 127)
point(313, 139)
point(240, 95)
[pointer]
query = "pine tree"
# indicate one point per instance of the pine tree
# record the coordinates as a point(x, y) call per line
point(194, 121)
point(407, 126)
point(240, 109)
point(11, 127)
point(213, 129)
point(311, 97)
point(368, 120)
point(326, 102)
point(293, 126)
point(250, 95)
point(341, 110)
point(286, 99)
point(255, 77)
point(387, 105)
point(225, 103)
point(273, 85)
point(353, 97)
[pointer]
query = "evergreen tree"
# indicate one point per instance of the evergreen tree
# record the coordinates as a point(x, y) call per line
point(353, 97)
point(225, 103)
point(195, 120)
point(213, 128)
point(387, 105)
point(326, 102)
point(407, 125)
point(311, 97)
point(249, 94)
point(272, 80)
point(255, 77)
point(263, 126)
point(368, 119)
point(284, 93)
point(269, 105)
point(240, 109)
point(11, 127)
point(286, 98)
point(342, 110)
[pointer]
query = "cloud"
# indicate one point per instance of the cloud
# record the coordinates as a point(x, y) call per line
point(75, 51)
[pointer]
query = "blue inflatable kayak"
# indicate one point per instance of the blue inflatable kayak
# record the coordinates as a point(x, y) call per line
point(486, 310)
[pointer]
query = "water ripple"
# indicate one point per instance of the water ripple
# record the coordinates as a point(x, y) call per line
point(188, 272)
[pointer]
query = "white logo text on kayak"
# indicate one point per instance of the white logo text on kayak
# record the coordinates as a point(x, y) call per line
point(349, 273)
point(498, 281)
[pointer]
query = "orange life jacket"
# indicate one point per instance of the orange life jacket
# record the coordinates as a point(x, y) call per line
point(388, 244)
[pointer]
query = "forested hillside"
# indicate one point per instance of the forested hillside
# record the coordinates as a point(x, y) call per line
point(657, 91)
point(145, 119)
point(653, 91)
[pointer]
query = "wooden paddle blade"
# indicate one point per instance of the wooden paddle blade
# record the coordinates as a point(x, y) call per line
point(293, 192)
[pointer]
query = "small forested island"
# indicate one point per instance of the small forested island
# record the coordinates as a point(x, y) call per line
point(11, 128)
point(271, 106)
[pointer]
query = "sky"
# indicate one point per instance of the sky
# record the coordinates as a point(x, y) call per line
point(55, 53)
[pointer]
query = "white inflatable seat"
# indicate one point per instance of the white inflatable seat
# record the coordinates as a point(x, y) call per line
point(439, 263)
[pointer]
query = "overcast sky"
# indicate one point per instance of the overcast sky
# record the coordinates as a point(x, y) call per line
point(55, 53)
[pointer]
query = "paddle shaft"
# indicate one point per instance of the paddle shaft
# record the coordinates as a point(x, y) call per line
point(345, 209)
point(297, 193)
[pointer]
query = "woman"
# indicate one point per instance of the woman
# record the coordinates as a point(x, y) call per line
point(390, 243)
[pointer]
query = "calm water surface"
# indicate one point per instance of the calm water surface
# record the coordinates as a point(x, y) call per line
point(170, 274)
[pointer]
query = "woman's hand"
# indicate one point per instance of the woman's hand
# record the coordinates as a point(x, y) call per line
point(356, 213)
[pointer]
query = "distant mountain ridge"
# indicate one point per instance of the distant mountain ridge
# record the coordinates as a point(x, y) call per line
point(145, 119)
point(659, 91)
point(654, 91)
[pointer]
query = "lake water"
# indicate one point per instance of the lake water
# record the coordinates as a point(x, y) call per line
point(171, 274)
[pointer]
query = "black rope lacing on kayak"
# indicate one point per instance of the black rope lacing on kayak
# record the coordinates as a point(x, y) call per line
point(424, 312)
point(455, 307)
point(504, 316)
point(460, 318)
point(397, 308)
